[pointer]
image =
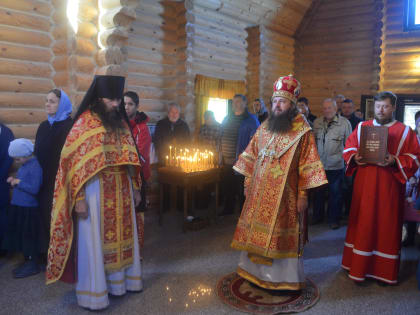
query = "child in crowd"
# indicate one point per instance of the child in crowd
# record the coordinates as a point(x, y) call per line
point(22, 233)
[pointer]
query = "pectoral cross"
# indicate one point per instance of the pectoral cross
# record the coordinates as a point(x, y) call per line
point(277, 171)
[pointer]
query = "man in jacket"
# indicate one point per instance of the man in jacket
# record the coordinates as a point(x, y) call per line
point(331, 131)
point(171, 130)
point(237, 130)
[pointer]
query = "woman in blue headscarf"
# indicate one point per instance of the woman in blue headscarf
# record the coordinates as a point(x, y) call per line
point(49, 141)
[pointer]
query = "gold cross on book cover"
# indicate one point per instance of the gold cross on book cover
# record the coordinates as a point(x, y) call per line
point(373, 144)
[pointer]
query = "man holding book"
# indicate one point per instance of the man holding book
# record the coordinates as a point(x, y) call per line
point(373, 240)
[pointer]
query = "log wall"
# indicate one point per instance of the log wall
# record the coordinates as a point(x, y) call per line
point(26, 69)
point(159, 45)
point(271, 54)
point(253, 77)
point(277, 59)
point(152, 56)
point(400, 60)
point(338, 50)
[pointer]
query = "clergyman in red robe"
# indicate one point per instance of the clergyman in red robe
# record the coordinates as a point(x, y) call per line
point(373, 240)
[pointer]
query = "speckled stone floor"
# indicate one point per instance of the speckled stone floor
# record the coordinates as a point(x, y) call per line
point(177, 263)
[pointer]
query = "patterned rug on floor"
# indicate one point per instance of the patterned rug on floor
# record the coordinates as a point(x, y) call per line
point(240, 294)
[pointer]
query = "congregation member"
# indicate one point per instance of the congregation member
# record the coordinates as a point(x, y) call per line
point(171, 130)
point(280, 164)
point(411, 215)
point(373, 240)
point(140, 130)
point(142, 138)
point(98, 180)
point(6, 136)
point(303, 107)
point(210, 132)
point(49, 141)
point(237, 130)
point(348, 111)
point(260, 109)
point(23, 219)
point(358, 113)
point(331, 131)
point(339, 99)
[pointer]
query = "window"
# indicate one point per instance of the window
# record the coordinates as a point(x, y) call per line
point(412, 15)
point(219, 107)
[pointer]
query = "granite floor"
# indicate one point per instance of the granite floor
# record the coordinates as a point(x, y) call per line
point(177, 263)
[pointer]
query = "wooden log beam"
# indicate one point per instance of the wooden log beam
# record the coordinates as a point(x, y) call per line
point(152, 31)
point(150, 81)
point(24, 131)
point(29, 6)
point(22, 52)
point(24, 84)
point(150, 56)
point(224, 38)
point(16, 35)
point(232, 60)
point(139, 41)
point(84, 47)
point(216, 16)
point(61, 79)
point(152, 92)
point(22, 116)
point(151, 68)
point(12, 99)
point(25, 68)
point(19, 19)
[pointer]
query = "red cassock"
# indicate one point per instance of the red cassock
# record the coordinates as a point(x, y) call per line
point(373, 240)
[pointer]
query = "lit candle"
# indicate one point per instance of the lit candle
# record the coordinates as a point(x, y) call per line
point(166, 160)
point(170, 155)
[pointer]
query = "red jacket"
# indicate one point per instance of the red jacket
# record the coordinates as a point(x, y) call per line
point(143, 140)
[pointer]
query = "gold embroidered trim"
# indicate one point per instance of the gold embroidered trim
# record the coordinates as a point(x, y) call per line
point(270, 285)
point(260, 260)
point(95, 294)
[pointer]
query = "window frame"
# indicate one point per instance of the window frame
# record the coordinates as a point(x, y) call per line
point(409, 16)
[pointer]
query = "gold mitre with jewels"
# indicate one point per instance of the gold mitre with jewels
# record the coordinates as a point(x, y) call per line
point(287, 87)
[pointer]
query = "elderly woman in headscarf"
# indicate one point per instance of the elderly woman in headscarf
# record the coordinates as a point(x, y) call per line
point(49, 141)
point(411, 214)
point(260, 109)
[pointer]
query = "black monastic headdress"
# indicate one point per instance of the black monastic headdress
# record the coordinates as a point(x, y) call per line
point(108, 86)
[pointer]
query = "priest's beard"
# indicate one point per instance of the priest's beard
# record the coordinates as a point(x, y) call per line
point(112, 120)
point(282, 123)
point(383, 121)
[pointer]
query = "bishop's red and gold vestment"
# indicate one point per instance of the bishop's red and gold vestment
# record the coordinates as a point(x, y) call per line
point(277, 167)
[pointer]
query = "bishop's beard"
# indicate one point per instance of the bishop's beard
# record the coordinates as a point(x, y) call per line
point(282, 123)
point(112, 120)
